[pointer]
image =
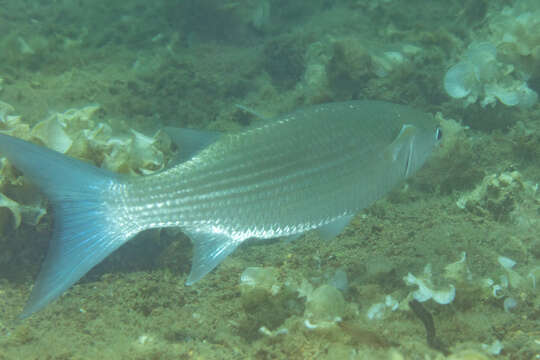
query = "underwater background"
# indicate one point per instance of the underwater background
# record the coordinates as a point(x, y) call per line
point(446, 266)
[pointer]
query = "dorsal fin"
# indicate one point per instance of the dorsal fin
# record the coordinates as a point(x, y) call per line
point(189, 141)
point(252, 112)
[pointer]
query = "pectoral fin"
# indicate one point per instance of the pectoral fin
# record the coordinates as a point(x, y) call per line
point(401, 142)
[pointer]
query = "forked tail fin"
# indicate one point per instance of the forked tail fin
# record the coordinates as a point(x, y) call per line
point(84, 230)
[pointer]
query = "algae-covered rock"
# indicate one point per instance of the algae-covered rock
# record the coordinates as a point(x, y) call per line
point(73, 132)
point(260, 278)
point(350, 66)
point(516, 31)
point(499, 196)
point(76, 133)
point(51, 132)
point(324, 306)
point(284, 60)
point(468, 355)
point(15, 214)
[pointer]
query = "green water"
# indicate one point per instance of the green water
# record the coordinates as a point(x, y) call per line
point(187, 64)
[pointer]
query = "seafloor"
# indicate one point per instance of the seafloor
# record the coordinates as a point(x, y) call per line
point(471, 210)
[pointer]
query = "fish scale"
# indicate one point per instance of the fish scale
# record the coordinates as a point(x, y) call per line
point(267, 179)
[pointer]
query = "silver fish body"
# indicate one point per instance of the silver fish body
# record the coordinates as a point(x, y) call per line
point(280, 178)
point(312, 169)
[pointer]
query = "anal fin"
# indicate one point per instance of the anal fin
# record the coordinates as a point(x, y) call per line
point(291, 238)
point(334, 228)
point(210, 249)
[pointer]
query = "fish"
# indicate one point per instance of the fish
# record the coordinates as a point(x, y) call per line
point(312, 169)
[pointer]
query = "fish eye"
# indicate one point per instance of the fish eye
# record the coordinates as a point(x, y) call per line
point(438, 134)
